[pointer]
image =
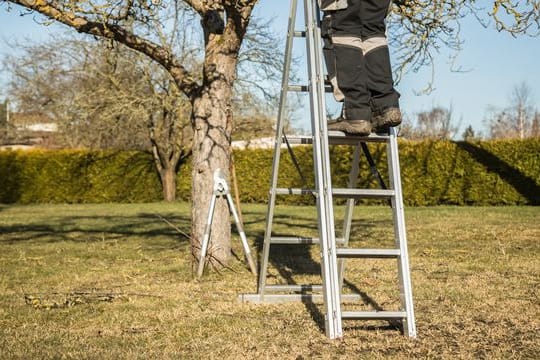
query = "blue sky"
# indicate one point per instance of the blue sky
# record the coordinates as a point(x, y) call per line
point(496, 62)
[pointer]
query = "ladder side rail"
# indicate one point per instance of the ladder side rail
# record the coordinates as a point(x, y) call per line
point(409, 327)
point(331, 291)
point(349, 209)
point(277, 148)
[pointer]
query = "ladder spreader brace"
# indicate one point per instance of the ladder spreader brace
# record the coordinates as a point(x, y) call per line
point(332, 257)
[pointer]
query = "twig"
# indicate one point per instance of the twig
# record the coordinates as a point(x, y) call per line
point(174, 227)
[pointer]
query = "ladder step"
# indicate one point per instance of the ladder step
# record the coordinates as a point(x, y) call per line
point(305, 88)
point(339, 138)
point(363, 193)
point(300, 34)
point(291, 240)
point(367, 253)
point(373, 315)
point(341, 193)
point(293, 288)
point(295, 240)
point(286, 298)
point(294, 191)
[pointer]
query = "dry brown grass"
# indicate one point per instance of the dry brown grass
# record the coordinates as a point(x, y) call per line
point(113, 281)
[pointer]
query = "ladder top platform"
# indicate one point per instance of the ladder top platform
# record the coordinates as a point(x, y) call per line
point(339, 138)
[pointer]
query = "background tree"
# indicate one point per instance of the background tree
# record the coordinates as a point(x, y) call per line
point(3, 120)
point(518, 120)
point(255, 118)
point(535, 126)
point(469, 134)
point(101, 97)
point(437, 123)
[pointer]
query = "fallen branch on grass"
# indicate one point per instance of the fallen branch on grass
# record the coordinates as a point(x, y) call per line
point(44, 301)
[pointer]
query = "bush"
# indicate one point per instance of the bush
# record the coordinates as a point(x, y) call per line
point(432, 173)
point(77, 176)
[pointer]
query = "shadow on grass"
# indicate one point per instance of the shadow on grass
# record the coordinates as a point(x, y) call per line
point(92, 228)
point(297, 260)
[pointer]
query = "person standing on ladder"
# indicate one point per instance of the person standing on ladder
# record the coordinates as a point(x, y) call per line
point(358, 63)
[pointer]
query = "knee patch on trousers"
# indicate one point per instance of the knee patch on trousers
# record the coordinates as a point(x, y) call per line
point(366, 46)
point(330, 5)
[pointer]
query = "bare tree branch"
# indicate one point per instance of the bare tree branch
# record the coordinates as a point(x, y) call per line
point(162, 55)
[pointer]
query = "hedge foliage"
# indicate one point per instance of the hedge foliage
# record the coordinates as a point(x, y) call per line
point(432, 172)
point(77, 176)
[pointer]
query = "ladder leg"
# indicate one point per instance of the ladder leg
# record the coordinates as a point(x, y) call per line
point(331, 290)
point(409, 326)
point(243, 238)
point(349, 208)
point(206, 237)
point(277, 149)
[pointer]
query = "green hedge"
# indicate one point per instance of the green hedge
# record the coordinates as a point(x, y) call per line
point(433, 172)
point(77, 176)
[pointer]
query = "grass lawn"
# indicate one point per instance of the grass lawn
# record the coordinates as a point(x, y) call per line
point(114, 281)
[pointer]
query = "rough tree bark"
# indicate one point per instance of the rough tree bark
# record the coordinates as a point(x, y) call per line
point(212, 120)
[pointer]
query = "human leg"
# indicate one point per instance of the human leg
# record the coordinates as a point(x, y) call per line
point(346, 69)
point(384, 99)
point(358, 62)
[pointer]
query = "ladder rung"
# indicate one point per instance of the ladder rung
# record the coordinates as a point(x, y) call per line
point(299, 139)
point(339, 138)
point(292, 240)
point(285, 298)
point(367, 253)
point(293, 288)
point(305, 88)
point(300, 33)
point(294, 191)
point(341, 192)
point(373, 315)
point(362, 193)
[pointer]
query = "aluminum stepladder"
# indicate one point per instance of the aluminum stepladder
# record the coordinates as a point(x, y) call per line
point(332, 257)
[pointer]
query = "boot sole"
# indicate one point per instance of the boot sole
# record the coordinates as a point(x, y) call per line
point(352, 127)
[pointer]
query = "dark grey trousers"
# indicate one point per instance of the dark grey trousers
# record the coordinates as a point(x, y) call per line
point(357, 58)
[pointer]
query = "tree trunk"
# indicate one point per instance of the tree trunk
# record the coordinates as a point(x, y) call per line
point(211, 151)
point(168, 183)
point(212, 125)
